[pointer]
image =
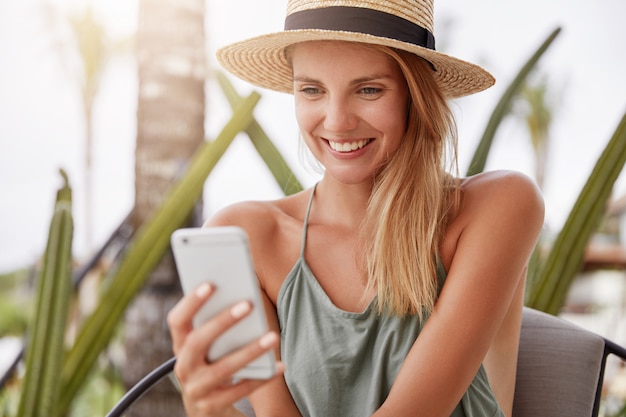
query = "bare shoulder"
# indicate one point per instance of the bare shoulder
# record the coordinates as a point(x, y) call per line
point(503, 179)
point(244, 214)
point(259, 218)
point(491, 201)
point(508, 191)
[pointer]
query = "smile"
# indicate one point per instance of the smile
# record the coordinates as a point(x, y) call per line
point(348, 146)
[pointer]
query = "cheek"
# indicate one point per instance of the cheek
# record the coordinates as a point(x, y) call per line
point(305, 115)
point(395, 127)
point(391, 119)
point(401, 112)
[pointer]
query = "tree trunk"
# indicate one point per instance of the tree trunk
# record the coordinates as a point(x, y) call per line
point(170, 127)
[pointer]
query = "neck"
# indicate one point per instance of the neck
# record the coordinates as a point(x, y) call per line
point(342, 204)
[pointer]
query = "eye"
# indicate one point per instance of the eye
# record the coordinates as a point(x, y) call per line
point(370, 90)
point(310, 91)
point(370, 93)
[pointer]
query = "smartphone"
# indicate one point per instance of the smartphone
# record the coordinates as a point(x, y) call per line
point(221, 256)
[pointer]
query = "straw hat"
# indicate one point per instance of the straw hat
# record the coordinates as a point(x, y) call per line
point(401, 24)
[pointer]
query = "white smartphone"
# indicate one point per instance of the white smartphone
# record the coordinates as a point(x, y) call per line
point(221, 256)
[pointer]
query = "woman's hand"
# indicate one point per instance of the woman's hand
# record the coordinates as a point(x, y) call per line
point(208, 388)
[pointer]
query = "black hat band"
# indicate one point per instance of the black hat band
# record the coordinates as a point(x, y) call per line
point(361, 20)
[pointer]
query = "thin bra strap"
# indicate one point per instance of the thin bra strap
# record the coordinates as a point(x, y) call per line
point(306, 221)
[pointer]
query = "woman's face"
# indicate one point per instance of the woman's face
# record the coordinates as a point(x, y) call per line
point(351, 105)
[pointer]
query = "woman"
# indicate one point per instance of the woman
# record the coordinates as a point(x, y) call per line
point(396, 287)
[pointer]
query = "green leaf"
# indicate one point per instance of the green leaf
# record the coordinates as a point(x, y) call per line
point(283, 175)
point(146, 250)
point(44, 354)
point(503, 107)
point(550, 287)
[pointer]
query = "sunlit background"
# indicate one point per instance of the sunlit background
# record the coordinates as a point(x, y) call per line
point(42, 125)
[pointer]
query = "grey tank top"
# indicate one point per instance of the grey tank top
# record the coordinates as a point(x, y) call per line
point(343, 364)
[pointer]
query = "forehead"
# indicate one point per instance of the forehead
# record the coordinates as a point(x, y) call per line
point(308, 55)
point(329, 46)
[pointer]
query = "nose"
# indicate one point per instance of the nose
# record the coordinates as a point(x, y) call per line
point(339, 115)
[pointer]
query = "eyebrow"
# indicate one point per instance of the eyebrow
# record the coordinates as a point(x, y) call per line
point(305, 79)
point(357, 81)
point(369, 78)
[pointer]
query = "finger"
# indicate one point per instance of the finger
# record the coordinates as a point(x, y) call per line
point(225, 397)
point(180, 317)
point(220, 372)
point(238, 359)
point(192, 353)
point(211, 400)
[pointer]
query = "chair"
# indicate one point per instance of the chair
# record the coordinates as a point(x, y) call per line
point(560, 368)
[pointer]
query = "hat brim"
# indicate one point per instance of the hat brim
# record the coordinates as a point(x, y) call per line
point(261, 61)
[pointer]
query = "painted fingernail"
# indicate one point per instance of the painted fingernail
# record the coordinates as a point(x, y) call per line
point(203, 290)
point(240, 309)
point(268, 340)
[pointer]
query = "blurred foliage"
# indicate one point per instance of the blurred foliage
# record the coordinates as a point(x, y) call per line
point(46, 330)
point(10, 397)
point(147, 248)
point(86, 375)
point(566, 255)
point(283, 175)
point(14, 315)
point(550, 276)
point(15, 301)
point(536, 108)
point(102, 390)
point(15, 279)
point(504, 105)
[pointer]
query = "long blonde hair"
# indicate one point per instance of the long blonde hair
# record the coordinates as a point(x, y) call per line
point(411, 199)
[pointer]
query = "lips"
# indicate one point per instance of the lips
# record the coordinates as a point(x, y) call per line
point(348, 146)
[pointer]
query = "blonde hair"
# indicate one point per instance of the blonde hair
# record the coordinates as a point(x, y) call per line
point(411, 199)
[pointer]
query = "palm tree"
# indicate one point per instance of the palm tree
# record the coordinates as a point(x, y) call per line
point(84, 55)
point(92, 47)
point(170, 127)
point(537, 111)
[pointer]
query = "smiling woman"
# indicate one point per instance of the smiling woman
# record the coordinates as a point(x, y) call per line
point(34, 89)
point(389, 257)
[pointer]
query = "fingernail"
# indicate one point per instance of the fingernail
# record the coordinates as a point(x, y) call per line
point(203, 290)
point(268, 340)
point(240, 309)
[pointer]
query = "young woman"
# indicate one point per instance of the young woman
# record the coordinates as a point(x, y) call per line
point(393, 287)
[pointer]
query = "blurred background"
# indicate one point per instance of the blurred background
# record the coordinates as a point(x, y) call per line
point(60, 110)
point(42, 122)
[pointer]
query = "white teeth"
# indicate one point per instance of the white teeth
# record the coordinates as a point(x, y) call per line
point(348, 146)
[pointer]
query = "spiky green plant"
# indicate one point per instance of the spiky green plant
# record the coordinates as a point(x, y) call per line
point(46, 333)
point(549, 280)
point(556, 274)
point(503, 107)
point(283, 175)
point(147, 248)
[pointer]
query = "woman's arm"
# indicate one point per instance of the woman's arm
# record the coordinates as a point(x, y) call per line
point(501, 359)
point(498, 224)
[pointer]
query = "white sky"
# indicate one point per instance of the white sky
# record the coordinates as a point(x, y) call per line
point(41, 122)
